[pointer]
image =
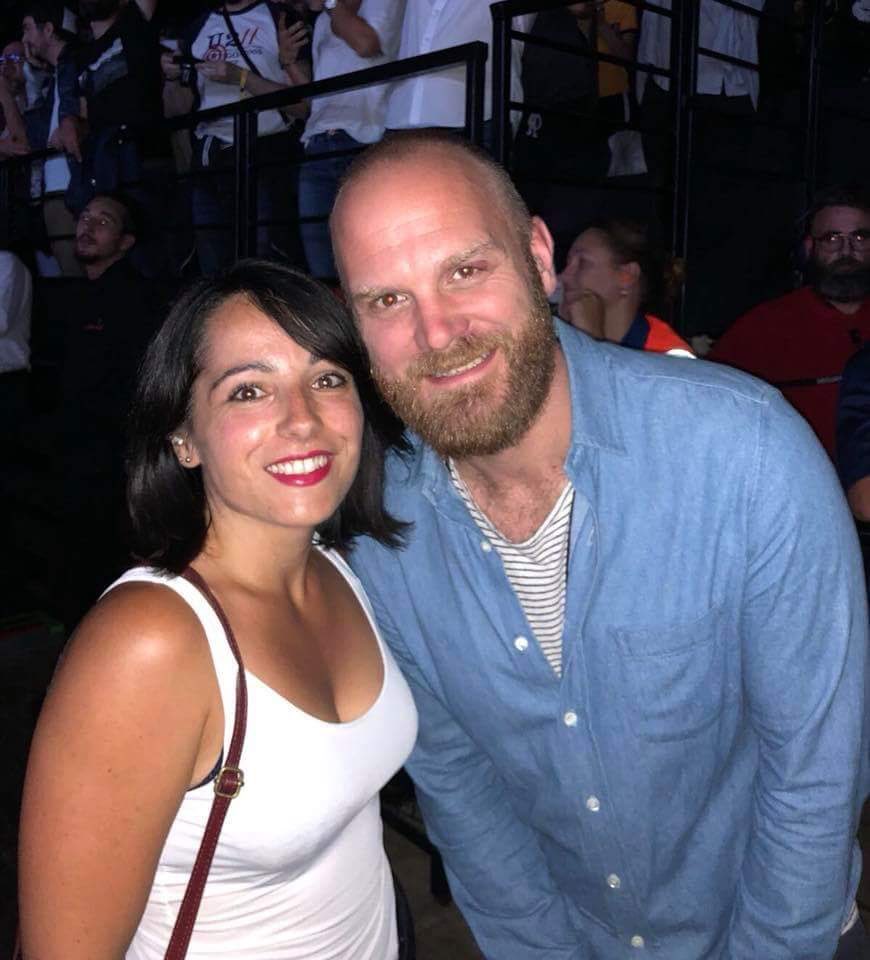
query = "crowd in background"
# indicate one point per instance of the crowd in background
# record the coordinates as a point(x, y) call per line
point(120, 186)
point(86, 90)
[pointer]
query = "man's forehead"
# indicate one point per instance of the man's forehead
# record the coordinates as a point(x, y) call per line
point(407, 199)
point(104, 208)
point(836, 214)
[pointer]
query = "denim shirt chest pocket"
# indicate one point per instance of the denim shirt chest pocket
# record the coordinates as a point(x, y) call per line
point(675, 677)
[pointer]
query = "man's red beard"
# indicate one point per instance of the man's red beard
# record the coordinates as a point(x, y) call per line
point(491, 414)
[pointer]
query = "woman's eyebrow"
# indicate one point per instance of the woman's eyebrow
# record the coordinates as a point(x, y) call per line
point(257, 365)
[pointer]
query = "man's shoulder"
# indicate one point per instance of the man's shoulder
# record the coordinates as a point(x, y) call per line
point(404, 468)
point(797, 304)
point(654, 378)
point(764, 325)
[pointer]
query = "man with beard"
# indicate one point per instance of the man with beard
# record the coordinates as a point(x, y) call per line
point(637, 639)
point(111, 318)
point(801, 342)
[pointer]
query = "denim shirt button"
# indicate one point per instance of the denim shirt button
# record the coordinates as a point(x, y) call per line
point(593, 804)
point(521, 643)
point(570, 719)
point(613, 881)
point(637, 941)
point(486, 546)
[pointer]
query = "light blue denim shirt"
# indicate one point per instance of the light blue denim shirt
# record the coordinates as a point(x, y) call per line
point(690, 787)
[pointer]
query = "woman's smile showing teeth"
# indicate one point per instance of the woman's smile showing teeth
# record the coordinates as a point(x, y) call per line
point(301, 471)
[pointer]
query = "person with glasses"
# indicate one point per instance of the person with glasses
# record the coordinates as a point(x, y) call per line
point(800, 342)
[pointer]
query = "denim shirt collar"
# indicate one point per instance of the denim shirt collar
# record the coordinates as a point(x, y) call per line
point(594, 427)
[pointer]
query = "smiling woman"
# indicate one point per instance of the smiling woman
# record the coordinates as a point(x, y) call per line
point(255, 427)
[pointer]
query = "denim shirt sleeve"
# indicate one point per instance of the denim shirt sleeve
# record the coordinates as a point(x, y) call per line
point(804, 648)
point(853, 420)
point(497, 873)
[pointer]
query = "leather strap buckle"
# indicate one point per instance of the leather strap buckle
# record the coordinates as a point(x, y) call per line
point(229, 782)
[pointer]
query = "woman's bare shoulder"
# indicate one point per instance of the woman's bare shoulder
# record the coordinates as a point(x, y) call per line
point(146, 625)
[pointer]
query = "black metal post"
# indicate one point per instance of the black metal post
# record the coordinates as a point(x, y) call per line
point(811, 145)
point(475, 85)
point(501, 81)
point(684, 66)
point(245, 219)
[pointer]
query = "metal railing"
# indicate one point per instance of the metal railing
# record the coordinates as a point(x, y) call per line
point(245, 112)
point(681, 75)
point(674, 192)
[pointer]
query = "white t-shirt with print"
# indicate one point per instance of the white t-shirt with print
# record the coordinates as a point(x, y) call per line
point(258, 36)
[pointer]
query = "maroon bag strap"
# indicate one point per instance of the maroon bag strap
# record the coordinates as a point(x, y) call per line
point(227, 785)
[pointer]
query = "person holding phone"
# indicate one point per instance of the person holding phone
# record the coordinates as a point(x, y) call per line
point(241, 49)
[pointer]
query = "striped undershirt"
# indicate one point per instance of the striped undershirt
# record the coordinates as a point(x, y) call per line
point(536, 568)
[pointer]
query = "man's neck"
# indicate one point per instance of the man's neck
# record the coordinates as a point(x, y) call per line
point(619, 318)
point(517, 487)
point(52, 55)
point(99, 27)
point(93, 271)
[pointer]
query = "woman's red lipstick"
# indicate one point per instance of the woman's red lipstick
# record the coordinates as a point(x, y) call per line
point(301, 471)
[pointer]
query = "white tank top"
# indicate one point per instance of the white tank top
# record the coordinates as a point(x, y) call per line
point(299, 870)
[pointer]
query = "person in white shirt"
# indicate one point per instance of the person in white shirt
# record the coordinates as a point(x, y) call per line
point(16, 294)
point(348, 35)
point(437, 98)
point(734, 219)
point(727, 31)
point(243, 48)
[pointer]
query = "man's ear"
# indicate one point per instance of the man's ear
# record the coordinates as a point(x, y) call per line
point(127, 241)
point(806, 249)
point(542, 246)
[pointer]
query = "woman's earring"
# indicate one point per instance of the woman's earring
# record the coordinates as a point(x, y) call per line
point(179, 442)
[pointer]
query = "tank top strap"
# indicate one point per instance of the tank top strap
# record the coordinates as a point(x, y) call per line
point(226, 668)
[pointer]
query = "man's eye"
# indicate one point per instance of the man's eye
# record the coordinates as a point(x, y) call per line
point(861, 236)
point(329, 381)
point(829, 237)
point(245, 392)
point(386, 300)
point(465, 272)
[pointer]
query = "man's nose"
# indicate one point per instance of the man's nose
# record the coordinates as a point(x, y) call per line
point(439, 322)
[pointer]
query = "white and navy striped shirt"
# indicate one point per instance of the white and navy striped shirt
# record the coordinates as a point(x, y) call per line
point(536, 568)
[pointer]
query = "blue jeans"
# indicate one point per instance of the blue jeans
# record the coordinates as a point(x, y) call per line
point(213, 201)
point(318, 185)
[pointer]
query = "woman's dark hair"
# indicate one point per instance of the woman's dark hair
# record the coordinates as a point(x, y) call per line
point(166, 501)
point(661, 274)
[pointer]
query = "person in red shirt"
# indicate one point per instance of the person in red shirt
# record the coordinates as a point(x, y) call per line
point(613, 285)
point(800, 342)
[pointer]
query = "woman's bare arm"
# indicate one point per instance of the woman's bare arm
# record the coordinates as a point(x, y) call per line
point(126, 726)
